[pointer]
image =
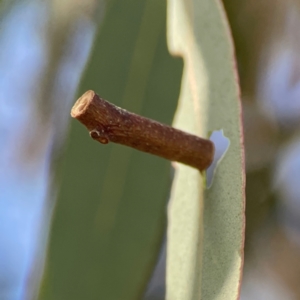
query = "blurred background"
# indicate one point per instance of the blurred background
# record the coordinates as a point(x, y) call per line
point(53, 51)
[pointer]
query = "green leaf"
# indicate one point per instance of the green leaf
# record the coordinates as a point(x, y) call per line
point(110, 214)
point(206, 226)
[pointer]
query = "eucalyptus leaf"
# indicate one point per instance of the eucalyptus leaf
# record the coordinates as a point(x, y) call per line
point(206, 226)
point(110, 214)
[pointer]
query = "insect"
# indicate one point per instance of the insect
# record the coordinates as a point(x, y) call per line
point(109, 123)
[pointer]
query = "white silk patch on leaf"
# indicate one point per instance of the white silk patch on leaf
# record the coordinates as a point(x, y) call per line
point(221, 143)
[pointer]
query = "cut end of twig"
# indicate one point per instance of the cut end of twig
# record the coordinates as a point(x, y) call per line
point(82, 104)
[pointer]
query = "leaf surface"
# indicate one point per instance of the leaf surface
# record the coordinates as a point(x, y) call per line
point(110, 214)
point(206, 226)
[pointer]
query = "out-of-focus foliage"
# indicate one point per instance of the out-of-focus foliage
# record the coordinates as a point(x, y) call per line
point(39, 70)
point(206, 226)
point(266, 37)
point(110, 214)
